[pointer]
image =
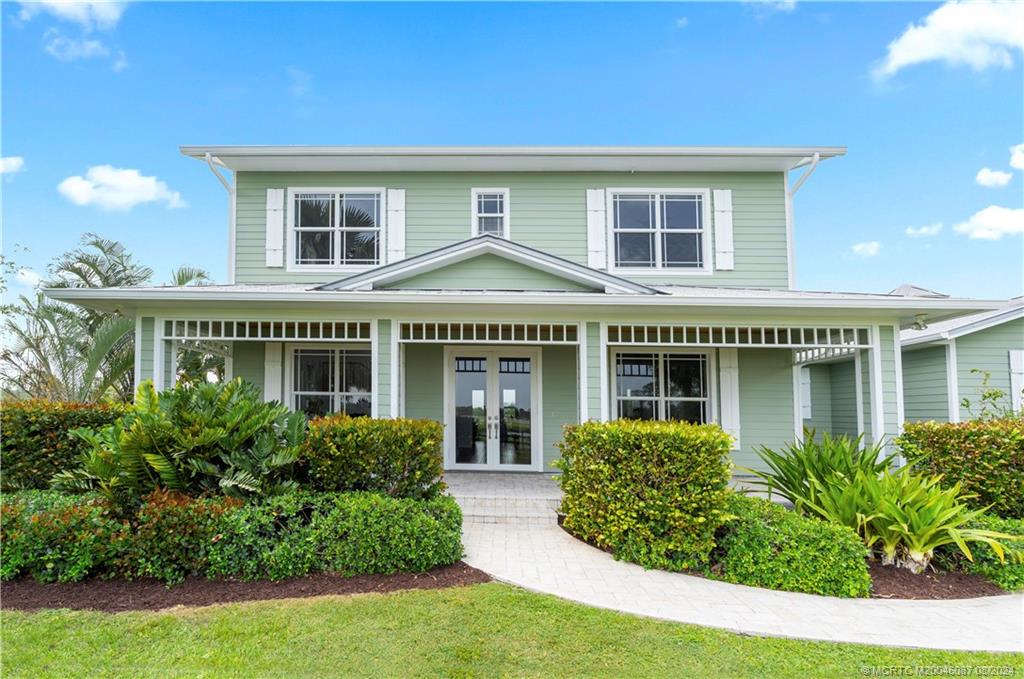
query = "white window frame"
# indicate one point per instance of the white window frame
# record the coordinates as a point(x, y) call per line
point(475, 215)
point(658, 269)
point(711, 363)
point(289, 371)
point(290, 254)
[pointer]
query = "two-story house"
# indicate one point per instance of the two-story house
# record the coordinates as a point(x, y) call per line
point(509, 291)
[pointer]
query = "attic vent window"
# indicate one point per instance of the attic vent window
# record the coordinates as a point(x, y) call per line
point(490, 210)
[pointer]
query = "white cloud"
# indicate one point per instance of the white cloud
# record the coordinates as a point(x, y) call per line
point(867, 249)
point(1017, 156)
point(28, 278)
point(112, 188)
point(979, 34)
point(993, 178)
point(766, 7)
point(682, 22)
point(120, 62)
point(88, 15)
point(64, 48)
point(923, 231)
point(993, 223)
point(11, 164)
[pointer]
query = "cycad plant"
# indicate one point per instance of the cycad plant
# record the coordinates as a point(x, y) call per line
point(207, 438)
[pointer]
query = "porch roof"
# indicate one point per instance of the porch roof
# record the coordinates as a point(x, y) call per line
point(740, 301)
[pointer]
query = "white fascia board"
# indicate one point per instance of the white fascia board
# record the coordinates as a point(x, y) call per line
point(197, 294)
point(967, 328)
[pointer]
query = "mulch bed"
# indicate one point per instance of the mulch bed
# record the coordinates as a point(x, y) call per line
point(890, 582)
point(114, 596)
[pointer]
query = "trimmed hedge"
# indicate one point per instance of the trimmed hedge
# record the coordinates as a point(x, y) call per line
point(1008, 574)
point(37, 442)
point(398, 457)
point(985, 456)
point(766, 545)
point(68, 538)
point(652, 492)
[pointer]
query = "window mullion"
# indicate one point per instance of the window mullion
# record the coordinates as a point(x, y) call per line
point(657, 231)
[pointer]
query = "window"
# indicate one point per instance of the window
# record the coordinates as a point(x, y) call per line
point(490, 212)
point(330, 380)
point(336, 228)
point(657, 230)
point(662, 386)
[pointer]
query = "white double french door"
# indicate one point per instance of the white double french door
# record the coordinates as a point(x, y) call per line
point(492, 408)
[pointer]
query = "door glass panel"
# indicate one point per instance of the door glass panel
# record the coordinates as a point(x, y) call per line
point(470, 410)
point(515, 413)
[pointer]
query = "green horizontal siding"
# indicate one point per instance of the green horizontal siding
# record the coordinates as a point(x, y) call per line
point(487, 272)
point(248, 362)
point(559, 378)
point(987, 351)
point(547, 212)
point(146, 350)
point(383, 396)
point(424, 381)
point(821, 399)
point(766, 402)
point(843, 380)
point(925, 390)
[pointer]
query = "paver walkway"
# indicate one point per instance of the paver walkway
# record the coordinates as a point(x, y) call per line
point(531, 551)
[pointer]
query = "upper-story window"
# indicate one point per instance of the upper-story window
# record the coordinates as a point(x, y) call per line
point(490, 212)
point(663, 229)
point(336, 228)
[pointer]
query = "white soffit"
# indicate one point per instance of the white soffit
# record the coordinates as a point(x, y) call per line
point(513, 158)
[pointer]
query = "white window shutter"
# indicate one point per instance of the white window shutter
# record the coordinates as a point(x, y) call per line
point(597, 232)
point(729, 398)
point(805, 393)
point(275, 227)
point(396, 225)
point(272, 372)
point(1016, 379)
point(722, 199)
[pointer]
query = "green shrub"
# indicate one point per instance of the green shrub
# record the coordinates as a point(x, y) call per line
point(766, 545)
point(172, 535)
point(792, 470)
point(208, 438)
point(68, 538)
point(1008, 573)
point(62, 542)
point(347, 533)
point(652, 492)
point(37, 442)
point(398, 457)
point(985, 457)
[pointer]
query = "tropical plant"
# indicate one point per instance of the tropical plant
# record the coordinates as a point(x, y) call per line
point(63, 352)
point(207, 438)
point(904, 515)
point(792, 470)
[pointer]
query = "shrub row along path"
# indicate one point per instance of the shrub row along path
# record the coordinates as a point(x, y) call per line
point(510, 532)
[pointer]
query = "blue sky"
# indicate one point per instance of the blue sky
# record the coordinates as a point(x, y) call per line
point(87, 86)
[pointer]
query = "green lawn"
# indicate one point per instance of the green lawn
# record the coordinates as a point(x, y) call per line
point(481, 631)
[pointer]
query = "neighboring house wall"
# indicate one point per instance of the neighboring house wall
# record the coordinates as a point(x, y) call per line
point(987, 350)
point(548, 211)
point(924, 384)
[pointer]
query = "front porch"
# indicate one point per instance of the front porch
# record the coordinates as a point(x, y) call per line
point(505, 389)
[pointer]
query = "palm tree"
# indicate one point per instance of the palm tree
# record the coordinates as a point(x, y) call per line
point(59, 351)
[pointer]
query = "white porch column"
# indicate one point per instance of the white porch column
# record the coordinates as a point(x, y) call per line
point(582, 387)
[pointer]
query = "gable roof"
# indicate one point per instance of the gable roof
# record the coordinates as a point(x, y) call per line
point(964, 325)
point(600, 281)
point(516, 158)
